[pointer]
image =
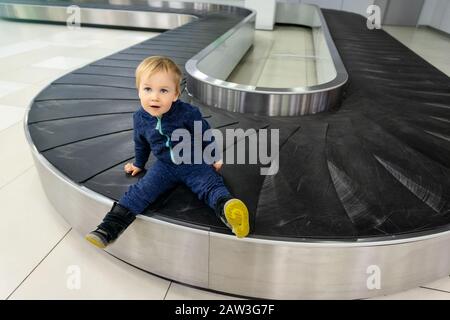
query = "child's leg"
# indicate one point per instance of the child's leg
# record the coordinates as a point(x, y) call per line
point(209, 186)
point(205, 182)
point(156, 181)
point(113, 224)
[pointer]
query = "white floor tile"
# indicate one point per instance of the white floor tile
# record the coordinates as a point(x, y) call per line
point(278, 59)
point(311, 75)
point(35, 56)
point(30, 228)
point(248, 73)
point(111, 39)
point(63, 63)
point(30, 75)
point(21, 47)
point(87, 43)
point(181, 292)
point(15, 155)
point(261, 47)
point(283, 72)
point(10, 115)
point(441, 284)
point(52, 51)
point(77, 270)
point(309, 44)
point(23, 97)
point(73, 39)
point(18, 31)
point(7, 87)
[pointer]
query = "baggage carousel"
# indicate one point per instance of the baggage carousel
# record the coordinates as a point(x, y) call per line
point(360, 205)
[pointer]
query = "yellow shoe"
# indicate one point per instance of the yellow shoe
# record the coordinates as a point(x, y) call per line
point(97, 239)
point(236, 214)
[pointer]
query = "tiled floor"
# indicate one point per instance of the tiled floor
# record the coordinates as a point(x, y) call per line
point(41, 256)
point(283, 58)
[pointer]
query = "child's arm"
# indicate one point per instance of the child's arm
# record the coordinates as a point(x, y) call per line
point(141, 150)
point(131, 168)
point(218, 165)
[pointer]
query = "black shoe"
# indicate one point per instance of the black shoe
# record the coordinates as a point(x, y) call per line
point(98, 238)
point(114, 223)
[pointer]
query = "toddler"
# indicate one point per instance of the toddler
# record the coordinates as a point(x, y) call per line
point(158, 84)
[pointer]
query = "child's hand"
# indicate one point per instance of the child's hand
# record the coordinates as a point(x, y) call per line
point(218, 165)
point(130, 168)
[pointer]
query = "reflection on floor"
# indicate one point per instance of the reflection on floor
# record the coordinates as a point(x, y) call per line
point(47, 259)
point(283, 58)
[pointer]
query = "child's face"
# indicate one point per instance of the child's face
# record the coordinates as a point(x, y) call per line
point(157, 92)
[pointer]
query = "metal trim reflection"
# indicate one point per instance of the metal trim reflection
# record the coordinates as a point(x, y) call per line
point(262, 100)
point(97, 16)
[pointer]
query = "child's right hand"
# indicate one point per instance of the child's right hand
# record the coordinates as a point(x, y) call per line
point(130, 168)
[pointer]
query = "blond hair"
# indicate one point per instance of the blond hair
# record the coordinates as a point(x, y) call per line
point(154, 64)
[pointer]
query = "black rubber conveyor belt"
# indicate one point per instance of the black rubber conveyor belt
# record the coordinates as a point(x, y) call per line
point(377, 167)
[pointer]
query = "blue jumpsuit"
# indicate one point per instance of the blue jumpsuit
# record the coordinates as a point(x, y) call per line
point(153, 134)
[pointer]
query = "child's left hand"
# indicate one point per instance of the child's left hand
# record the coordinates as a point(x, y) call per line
point(218, 165)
